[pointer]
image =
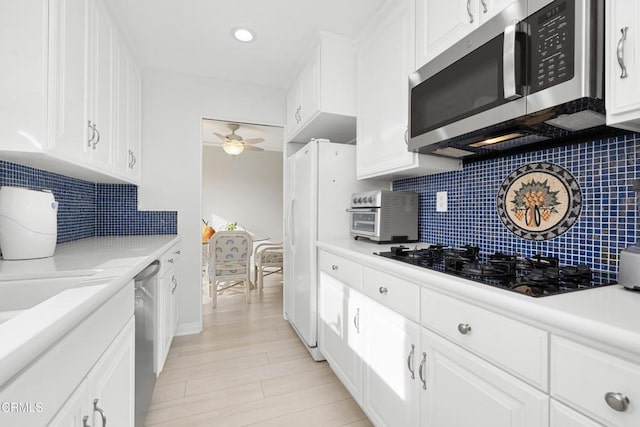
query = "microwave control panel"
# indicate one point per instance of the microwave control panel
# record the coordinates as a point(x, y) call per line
point(552, 45)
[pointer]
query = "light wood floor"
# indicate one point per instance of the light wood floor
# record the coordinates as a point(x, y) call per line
point(248, 368)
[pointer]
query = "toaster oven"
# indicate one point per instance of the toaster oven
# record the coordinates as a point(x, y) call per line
point(385, 216)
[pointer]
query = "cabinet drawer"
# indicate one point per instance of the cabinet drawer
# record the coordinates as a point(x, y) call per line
point(516, 347)
point(582, 376)
point(169, 259)
point(397, 294)
point(348, 272)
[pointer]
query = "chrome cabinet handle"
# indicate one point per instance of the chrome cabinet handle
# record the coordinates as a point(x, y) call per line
point(620, 51)
point(97, 409)
point(85, 420)
point(175, 283)
point(421, 369)
point(382, 290)
point(93, 133)
point(356, 320)
point(410, 362)
point(334, 267)
point(617, 401)
point(464, 328)
point(132, 160)
point(406, 136)
point(469, 11)
point(95, 128)
point(484, 6)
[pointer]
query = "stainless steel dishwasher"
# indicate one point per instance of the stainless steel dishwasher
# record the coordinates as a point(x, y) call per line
point(146, 291)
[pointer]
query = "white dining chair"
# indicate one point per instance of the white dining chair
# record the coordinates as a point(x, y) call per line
point(268, 259)
point(229, 262)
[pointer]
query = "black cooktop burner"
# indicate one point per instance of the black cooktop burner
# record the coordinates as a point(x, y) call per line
point(535, 276)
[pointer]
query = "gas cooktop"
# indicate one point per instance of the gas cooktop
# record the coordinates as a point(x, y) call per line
point(536, 276)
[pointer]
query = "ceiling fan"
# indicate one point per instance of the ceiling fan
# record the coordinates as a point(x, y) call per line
point(234, 144)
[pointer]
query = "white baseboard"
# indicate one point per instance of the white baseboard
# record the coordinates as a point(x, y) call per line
point(188, 328)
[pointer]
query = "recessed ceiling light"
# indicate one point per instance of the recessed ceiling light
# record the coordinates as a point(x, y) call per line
point(243, 34)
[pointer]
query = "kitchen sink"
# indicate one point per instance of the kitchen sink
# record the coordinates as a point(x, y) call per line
point(22, 294)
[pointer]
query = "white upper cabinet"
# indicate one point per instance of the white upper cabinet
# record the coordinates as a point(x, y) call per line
point(440, 24)
point(62, 98)
point(622, 67)
point(321, 100)
point(386, 57)
point(100, 110)
point(127, 112)
point(68, 79)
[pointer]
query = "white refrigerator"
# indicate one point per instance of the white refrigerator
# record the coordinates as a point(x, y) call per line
point(320, 179)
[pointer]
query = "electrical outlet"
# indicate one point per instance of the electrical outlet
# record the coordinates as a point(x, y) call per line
point(441, 201)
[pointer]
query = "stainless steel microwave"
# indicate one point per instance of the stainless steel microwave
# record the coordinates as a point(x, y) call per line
point(532, 73)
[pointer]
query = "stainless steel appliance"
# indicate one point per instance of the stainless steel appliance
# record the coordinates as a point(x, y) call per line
point(536, 276)
point(532, 73)
point(629, 273)
point(385, 216)
point(146, 291)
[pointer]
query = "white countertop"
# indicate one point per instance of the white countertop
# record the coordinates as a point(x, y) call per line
point(607, 317)
point(109, 263)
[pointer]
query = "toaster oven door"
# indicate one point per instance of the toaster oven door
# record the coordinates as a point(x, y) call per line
point(365, 222)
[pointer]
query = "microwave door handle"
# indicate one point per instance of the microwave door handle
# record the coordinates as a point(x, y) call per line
point(511, 88)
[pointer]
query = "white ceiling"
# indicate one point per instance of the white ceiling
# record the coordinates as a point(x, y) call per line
point(194, 36)
point(273, 135)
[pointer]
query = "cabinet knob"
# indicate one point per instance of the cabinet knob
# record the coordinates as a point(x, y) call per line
point(334, 267)
point(170, 260)
point(617, 401)
point(382, 290)
point(464, 328)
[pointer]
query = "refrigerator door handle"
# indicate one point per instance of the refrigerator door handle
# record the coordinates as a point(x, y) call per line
point(292, 236)
point(288, 229)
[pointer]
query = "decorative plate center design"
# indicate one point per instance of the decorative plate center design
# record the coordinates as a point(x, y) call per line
point(539, 201)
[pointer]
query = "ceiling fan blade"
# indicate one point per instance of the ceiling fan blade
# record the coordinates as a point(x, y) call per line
point(252, 148)
point(253, 140)
point(222, 137)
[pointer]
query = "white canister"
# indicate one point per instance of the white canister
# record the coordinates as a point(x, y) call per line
point(28, 223)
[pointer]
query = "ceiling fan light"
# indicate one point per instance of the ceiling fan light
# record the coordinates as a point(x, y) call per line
point(243, 34)
point(233, 149)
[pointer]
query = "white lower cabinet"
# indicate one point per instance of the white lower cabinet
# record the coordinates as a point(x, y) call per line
point(391, 351)
point(460, 389)
point(167, 304)
point(600, 385)
point(339, 337)
point(405, 373)
point(107, 392)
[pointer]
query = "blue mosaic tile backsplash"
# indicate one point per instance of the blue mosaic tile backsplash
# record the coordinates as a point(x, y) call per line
point(118, 214)
point(608, 222)
point(86, 209)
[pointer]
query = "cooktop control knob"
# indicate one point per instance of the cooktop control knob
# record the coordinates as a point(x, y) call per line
point(355, 200)
point(370, 199)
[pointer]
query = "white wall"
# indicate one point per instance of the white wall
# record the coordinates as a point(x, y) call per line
point(173, 107)
point(245, 188)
